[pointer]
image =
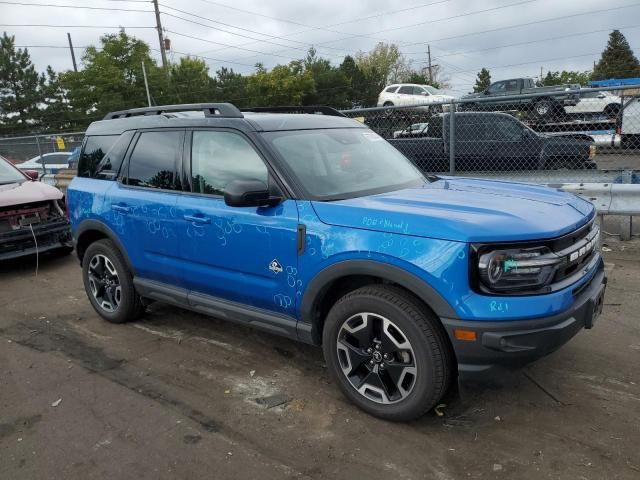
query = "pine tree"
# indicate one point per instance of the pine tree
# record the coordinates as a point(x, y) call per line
point(21, 88)
point(483, 81)
point(617, 60)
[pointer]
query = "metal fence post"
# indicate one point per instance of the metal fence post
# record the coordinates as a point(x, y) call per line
point(42, 160)
point(452, 138)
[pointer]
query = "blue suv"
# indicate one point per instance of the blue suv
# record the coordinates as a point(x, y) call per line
point(313, 227)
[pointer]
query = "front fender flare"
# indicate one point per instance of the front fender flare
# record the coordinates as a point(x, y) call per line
point(308, 324)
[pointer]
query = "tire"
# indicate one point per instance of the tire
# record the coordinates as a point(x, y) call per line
point(543, 108)
point(103, 263)
point(411, 347)
point(612, 111)
point(387, 104)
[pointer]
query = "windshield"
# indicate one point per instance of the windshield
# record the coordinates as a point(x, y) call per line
point(344, 163)
point(431, 90)
point(8, 174)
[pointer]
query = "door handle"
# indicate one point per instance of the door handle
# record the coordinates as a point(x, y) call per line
point(197, 218)
point(120, 207)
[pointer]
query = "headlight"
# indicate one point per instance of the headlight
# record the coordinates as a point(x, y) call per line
point(517, 269)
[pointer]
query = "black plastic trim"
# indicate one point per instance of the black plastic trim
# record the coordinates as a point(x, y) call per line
point(318, 286)
point(259, 318)
point(94, 225)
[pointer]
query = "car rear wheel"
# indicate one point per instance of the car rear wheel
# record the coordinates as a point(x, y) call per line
point(543, 108)
point(109, 283)
point(612, 111)
point(387, 352)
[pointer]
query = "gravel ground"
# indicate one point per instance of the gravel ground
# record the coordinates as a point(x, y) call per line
point(177, 395)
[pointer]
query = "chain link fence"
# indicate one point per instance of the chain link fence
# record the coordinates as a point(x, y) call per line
point(563, 135)
point(48, 152)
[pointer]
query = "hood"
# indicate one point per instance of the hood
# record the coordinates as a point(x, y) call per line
point(26, 192)
point(465, 210)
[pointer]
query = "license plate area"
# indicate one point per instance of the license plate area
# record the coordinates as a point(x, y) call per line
point(595, 307)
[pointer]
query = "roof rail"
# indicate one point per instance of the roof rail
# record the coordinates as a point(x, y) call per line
point(313, 109)
point(210, 110)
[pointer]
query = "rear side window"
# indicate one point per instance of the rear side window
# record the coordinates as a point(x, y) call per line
point(94, 150)
point(153, 163)
point(217, 158)
point(408, 90)
point(109, 166)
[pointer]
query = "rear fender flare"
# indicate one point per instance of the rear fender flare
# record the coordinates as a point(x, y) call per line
point(95, 225)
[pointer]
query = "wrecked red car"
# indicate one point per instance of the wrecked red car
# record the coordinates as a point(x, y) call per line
point(33, 215)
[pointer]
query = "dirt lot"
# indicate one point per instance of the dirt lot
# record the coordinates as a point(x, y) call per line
point(178, 395)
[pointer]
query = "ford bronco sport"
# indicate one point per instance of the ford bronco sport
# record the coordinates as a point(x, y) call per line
point(313, 227)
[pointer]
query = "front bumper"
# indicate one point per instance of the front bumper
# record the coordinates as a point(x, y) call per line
point(509, 344)
point(50, 236)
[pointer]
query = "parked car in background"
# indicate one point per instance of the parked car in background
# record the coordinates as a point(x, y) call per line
point(414, 130)
point(315, 228)
point(47, 162)
point(552, 103)
point(630, 128)
point(405, 94)
point(32, 215)
point(491, 141)
point(605, 103)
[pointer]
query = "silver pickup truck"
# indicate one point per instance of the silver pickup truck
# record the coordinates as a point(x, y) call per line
point(499, 97)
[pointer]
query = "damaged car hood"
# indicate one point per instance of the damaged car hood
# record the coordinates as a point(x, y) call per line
point(466, 210)
point(26, 192)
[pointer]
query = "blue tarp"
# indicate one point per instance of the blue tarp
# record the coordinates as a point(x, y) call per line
point(615, 82)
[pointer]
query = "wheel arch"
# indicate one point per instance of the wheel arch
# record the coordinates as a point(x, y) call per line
point(338, 279)
point(90, 231)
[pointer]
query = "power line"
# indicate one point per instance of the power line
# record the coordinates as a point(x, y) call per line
point(124, 27)
point(28, 4)
point(421, 23)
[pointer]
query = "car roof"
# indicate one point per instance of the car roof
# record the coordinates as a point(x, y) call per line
point(250, 121)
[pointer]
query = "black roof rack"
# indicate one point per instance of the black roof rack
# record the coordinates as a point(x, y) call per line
point(210, 110)
point(313, 109)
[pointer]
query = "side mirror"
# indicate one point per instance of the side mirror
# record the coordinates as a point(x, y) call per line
point(248, 193)
point(486, 92)
point(424, 94)
point(602, 95)
point(32, 174)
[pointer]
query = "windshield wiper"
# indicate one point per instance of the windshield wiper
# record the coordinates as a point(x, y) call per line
point(433, 178)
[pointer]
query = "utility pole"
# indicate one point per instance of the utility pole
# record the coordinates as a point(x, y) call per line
point(430, 68)
point(160, 39)
point(73, 55)
point(146, 84)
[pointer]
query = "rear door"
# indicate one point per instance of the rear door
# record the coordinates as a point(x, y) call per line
point(143, 203)
point(405, 95)
point(242, 254)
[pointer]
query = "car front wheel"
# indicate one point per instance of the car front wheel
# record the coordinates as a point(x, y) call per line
point(387, 352)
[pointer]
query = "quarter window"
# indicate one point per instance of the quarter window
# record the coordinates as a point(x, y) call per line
point(154, 159)
point(217, 158)
point(390, 89)
point(93, 151)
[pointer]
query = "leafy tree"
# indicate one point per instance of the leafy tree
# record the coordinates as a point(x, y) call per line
point(483, 81)
point(189, 81)
point(357, 82)
point(283, 85)
point(21, 87)
point(381, 65)
point(112, 78)
point(617, 60)
point(565, 77)
point(229, 86)
point(331, 85)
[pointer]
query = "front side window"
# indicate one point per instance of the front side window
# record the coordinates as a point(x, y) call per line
point(343, 163)
point(511, 85)
point(154, 160)
point(503, 129)
point(419, 91)
point(94, 149)
point(432, 90)
point(218, 158)
point(497, 87)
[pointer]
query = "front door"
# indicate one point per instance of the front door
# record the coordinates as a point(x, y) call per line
point(242, 254)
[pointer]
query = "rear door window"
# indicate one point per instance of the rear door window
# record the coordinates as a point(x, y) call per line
point(154, 161)
point(406, 90)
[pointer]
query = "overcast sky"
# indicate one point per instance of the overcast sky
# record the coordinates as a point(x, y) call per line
point(463, 34)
